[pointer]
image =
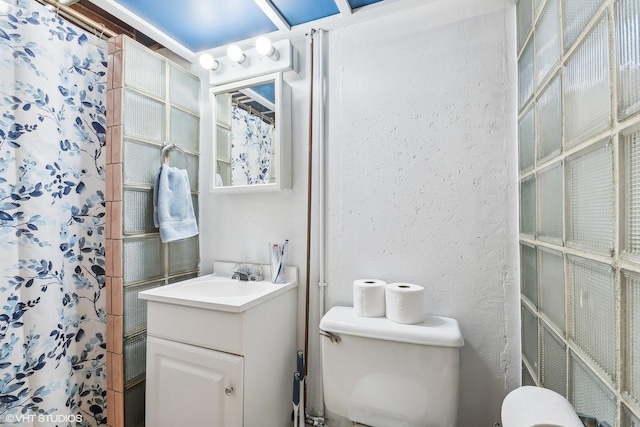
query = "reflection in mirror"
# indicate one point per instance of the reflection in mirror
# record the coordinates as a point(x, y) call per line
point(247, 120)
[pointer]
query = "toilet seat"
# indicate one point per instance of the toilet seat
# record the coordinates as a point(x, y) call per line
point(530, 406)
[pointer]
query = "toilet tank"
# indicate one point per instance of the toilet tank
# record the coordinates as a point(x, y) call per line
point(386, 374)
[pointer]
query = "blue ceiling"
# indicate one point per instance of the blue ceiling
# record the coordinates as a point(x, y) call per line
point(205, 24)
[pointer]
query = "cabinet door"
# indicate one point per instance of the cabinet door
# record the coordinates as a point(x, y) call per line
point(192, 386)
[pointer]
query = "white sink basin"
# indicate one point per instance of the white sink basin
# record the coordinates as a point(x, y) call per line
point(218, 292)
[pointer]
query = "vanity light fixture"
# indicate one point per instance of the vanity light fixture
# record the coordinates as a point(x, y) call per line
point(208, 63)
point(234, 52)
point(264, 47)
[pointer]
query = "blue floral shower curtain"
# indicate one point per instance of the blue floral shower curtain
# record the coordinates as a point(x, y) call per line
point(52, 268)
point(250, 148)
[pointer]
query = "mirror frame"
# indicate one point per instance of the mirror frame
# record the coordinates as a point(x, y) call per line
point(282, 134)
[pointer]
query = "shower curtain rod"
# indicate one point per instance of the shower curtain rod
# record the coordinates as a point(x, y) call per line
point(78, 18)
point(251, 110)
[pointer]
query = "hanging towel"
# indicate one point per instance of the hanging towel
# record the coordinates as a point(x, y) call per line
point(172, 206)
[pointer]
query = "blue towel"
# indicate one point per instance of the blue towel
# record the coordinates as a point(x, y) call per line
point(172, 207)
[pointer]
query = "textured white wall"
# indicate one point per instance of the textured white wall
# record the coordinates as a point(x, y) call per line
point(421, 179)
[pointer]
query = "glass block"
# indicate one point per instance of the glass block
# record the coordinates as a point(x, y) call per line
point(183, 277)
point(527, 378)
point(143, 117)
point(134, 405)
point(552, 286)
point(549, 120)
point(135, 358)
point(144, 70)
point(630, 140)
point(142, 163)
point(529, 273)
point(628, 418)
point(185, 130)
point(143, 259)
point(577, 14)
point(196, 206)
point(593, 311)
point(184, 89)
point(590, 198)
point(175, 158)
point(631, 336)
point(138, 211)
point(589, 395)
point(224, 170)
point(223, 109)
point(526, 139)
point(587, 97)
point(530, 337)
point(628, 56)
point(135, 309)
point(183, 255)
point(553, 369)
point(525, 75)
point(550, 203)
point(547, 41)
point(223, 144)
point(528, 206)
point(524, 15)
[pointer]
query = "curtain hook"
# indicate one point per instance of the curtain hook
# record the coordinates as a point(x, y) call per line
point(103, 28)
point(58, 8)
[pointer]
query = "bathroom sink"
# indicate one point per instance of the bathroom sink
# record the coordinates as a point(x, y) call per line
point(219, 292)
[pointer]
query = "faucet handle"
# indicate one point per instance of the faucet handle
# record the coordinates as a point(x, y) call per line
point(256, 273)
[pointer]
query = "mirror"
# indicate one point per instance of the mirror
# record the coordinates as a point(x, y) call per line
point(252, 133)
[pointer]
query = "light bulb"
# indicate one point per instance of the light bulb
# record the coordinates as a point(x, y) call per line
point(264, 47)
point(235, 54)
point(207, 62)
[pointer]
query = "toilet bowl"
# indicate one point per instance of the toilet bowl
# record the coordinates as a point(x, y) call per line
point(530, 406)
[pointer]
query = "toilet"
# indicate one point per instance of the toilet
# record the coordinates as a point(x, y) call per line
point(530, 406)
point(380, 373)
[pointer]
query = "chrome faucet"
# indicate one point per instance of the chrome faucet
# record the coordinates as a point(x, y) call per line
point(246, 272)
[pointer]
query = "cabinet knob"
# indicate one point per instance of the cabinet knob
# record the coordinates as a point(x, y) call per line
point(228, 391)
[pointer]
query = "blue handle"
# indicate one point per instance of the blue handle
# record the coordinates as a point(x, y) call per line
point(300, 366)
point(296, 388)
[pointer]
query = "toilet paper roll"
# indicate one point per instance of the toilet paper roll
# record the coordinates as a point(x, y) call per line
point(404, 303)
point(368, 297)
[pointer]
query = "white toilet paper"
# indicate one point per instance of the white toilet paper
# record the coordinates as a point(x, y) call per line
point(368, 297)
point(404, 303)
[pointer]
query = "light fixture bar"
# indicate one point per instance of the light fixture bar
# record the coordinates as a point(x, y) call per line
point(273, 14)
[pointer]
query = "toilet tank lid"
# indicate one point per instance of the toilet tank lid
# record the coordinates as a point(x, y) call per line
point(435, 330)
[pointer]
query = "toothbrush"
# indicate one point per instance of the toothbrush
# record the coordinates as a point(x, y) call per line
point(301, 370)
point(281, 261)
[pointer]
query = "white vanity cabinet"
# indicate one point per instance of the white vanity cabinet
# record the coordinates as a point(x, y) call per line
point(220, 361)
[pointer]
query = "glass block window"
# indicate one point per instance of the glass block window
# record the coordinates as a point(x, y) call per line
point(547, 41)
point(593, 304)
point(550, 200)
point(577, 14)
point(142, 259)
point(549, 120)
point(587, 97)
point(524, 12)
point(526, 138)
point(631, 143)
point(553, 370)
point(135, 358)
point(183, 255)
point(590, 196)
point(628, 56)
point(529, 273)
point(184, 89)
point(552, 290)
point(525, 75)
point(530, 337)
point(589, 395)
point(528, 206)
point(136, 319)
point(580, 202)
point(138, 217)
point(144, 70)
point(631, 337)
point(144, 117)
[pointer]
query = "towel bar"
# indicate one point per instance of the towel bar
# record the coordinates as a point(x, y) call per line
point(169, 147)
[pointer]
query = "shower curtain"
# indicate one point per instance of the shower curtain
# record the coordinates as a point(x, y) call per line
point(250, 148)
point(52, 213)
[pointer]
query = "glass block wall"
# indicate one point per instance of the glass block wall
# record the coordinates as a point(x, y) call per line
point(152, 102)
point(579, 160)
